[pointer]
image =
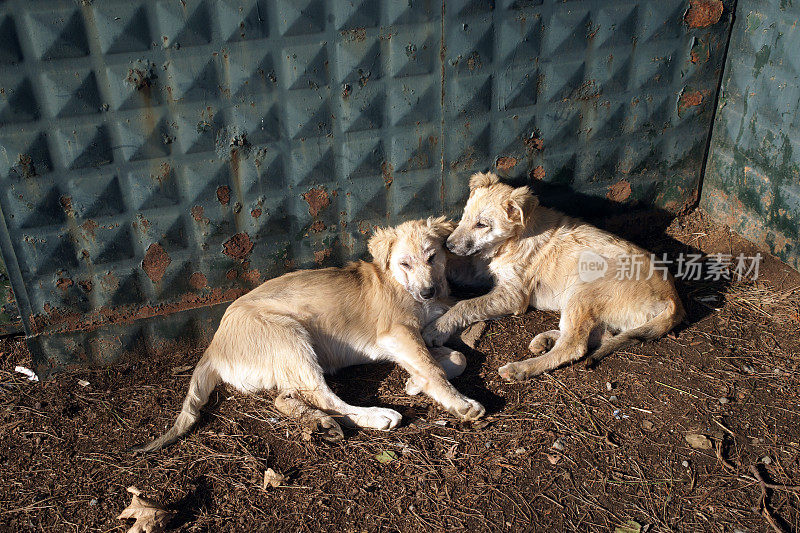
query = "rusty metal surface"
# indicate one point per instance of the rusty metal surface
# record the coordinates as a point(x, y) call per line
point(159, 156)
point(753, 177)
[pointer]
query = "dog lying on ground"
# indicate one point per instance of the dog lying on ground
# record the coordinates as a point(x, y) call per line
point(534, 255)
point(288, 332)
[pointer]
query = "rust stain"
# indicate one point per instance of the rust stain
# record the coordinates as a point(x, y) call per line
point(86, 285)
point(252, 276)
point(322, 255)
point(506, 163)
point(387, 169)
point(533, 143)
point(317, 200)
point(355, 34)
point(702, 13)
point(238, 246)
point(63, 321)
point(224, 194)
point(155, 262)
point(141, 79)
point(231, 274)
point(198, 280)
point(474, 61)
point(109, 282)
point(317, 226)
point(538, 173)
point(90, 226)
point(255, 213)
point(144, 222)
point(66, 203)
point(64, 284)
point(689, 99)
point(620, 191)
point(198, 214)
point(27, 166)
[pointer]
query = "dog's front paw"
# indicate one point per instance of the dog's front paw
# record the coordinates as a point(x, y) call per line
point(520, 371)
point(468, 410)
point(435, 334)
point(380, 418)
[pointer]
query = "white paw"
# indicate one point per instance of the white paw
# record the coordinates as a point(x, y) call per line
point(379, 418)
point(468, 409)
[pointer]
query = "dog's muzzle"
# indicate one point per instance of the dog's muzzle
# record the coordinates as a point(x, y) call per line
point(427, 293)
point(465, 249)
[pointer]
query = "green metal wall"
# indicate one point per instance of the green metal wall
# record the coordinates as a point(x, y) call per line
point(752, 180)
point(159, 158)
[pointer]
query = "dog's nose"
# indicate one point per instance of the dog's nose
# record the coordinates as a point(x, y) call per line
point(428, 293)
point(449, 245)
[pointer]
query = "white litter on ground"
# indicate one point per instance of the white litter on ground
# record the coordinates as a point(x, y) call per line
point(27, 372)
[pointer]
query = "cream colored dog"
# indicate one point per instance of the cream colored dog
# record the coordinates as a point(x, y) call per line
point(541, 258)
point(289, 331)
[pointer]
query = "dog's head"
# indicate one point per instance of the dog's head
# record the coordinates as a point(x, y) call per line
point(495, 213)
point(413, 253)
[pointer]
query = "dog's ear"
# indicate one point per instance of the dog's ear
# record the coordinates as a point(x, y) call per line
point(482, 179)
point(440, 227)
point(380, 246)
point(519, 204)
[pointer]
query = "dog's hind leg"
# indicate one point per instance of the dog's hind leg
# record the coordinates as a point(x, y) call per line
point(310, 417)
point(283, 349)
point(544, 341)
point(453, 362)
point(577, 323)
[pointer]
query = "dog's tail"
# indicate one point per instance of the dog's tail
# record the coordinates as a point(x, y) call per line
point(203, 381)
point(659, 325)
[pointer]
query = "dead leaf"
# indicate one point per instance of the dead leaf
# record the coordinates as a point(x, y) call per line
point(553, 459)
point(386, 456)
point(181, 369)
point(273, 479)
point(151, 517)
point(698, 441)
point(631, 526)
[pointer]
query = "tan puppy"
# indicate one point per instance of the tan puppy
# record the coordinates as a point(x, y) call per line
point(289, 331)
point(541, 258)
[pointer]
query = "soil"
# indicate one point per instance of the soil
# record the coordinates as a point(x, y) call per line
point(575, 450)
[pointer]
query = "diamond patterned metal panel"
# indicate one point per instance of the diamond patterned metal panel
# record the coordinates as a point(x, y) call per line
point(753, 177)
point(159, 158)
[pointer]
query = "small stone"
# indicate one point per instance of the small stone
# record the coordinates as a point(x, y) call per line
point(723, 400)
point(699, 442)
point(93, 502)
point(609, 386)
point(612, 399)
point(766, 460)
point(558, 445)
point(748, 369)
point(685, 463)
point(519, 451)
point(488, 444)
point(647, 425)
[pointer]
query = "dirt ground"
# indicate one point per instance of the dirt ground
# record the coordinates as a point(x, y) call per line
point(577, 450)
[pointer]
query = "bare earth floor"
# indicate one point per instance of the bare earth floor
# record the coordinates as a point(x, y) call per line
point(577, 450)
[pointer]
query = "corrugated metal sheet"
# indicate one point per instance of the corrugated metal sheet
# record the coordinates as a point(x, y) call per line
point(161, 156)
point(753, 178)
